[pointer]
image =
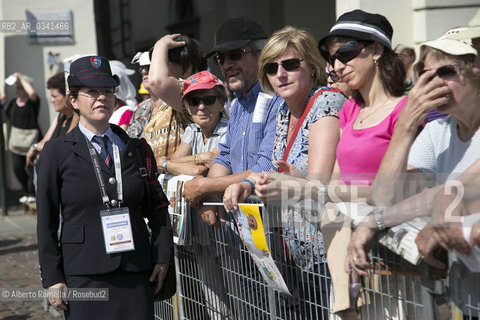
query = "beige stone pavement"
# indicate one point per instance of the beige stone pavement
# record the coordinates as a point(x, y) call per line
point(19, 266)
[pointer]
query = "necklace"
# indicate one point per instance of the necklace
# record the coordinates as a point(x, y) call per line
point(373, 112)
point(292, 123)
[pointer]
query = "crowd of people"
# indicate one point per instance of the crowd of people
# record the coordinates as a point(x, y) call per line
point(344, 118)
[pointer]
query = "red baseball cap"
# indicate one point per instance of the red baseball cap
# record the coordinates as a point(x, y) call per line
point(203, 80)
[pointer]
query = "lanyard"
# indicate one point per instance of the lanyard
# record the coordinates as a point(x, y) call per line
point(98, 172)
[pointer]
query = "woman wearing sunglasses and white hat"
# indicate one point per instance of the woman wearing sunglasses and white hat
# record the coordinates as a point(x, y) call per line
point(103, 184)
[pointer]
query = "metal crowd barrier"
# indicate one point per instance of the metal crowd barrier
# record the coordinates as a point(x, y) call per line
point(397, 289)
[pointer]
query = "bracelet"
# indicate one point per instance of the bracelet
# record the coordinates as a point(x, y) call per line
point(164, 166)
point(252, 185)
point(34, 147)
point(377, 216)
point(195, 159)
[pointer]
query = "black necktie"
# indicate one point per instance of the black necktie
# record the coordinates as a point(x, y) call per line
point(103, 143)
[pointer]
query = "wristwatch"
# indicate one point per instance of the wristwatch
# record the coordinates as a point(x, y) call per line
point(164, 166)
point(34, 147)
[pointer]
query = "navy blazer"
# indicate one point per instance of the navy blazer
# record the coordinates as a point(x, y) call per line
point(67, 184)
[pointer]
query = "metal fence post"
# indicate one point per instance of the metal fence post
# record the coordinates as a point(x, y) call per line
point(181, 313)
point(3, 185)
point(271, 294)
point(428, 287)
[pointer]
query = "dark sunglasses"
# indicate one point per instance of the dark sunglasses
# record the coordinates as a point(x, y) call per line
point(147, 67)
point(348, 51)
point(271, 68)
point(333, 76)
point(195, 101)
point(232, 55)
point(443, 72)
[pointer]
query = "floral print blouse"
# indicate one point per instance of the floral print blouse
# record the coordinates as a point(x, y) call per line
point(304, 240)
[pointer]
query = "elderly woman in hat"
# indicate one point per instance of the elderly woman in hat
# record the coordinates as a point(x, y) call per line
point(103, 184)
point(204, 97)
point(442, 151)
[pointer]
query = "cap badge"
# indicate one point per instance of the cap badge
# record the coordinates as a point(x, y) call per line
point(96, 62)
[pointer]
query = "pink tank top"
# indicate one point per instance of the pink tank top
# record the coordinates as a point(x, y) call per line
point(360, 152)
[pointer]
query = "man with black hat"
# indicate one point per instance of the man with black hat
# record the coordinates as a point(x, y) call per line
point(249, 141)
point(248, 144)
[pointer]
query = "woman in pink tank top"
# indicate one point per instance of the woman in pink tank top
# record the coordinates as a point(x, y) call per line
point(360, 50)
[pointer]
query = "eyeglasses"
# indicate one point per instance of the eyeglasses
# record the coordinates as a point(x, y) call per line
point(443, 72)
point(271, 68)
point(232, 55)
point(195, 101)
point(95, 93)
point(333, 76)
point(348, 51)
point(146, 67)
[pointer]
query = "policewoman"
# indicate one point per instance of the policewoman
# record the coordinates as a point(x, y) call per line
point(102, 183)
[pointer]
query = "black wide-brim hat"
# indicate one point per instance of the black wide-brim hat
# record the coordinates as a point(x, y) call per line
point(92, 71)
point(359, 25)
point(235, 33)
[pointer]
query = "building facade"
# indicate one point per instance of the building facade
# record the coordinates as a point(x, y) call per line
point(118, 29)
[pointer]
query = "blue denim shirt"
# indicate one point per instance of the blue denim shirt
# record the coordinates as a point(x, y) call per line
point(249, 145)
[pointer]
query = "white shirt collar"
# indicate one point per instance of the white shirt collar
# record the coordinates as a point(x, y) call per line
point(89, 134)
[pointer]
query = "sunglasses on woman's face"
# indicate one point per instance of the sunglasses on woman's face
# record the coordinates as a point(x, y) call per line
point(195, 101)
point(271, 68)
point(333, 76)
point(146, 67)
point(443, 72)
point(348, 51)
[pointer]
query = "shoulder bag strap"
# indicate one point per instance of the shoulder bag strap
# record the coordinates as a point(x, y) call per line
point(300, 122)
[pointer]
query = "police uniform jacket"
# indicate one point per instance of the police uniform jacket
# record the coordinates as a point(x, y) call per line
point(67, 185)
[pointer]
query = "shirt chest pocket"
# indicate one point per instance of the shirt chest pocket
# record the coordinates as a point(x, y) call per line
point(254, 141)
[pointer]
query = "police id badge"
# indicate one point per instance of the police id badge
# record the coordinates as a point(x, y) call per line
point(117, 230)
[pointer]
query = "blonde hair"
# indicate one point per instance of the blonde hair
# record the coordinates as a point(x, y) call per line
point(299, 39)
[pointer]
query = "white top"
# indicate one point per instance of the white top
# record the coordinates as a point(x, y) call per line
point(193, 136)
point(439, 153)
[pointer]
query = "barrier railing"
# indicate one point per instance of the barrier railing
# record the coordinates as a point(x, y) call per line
point(221, 281)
